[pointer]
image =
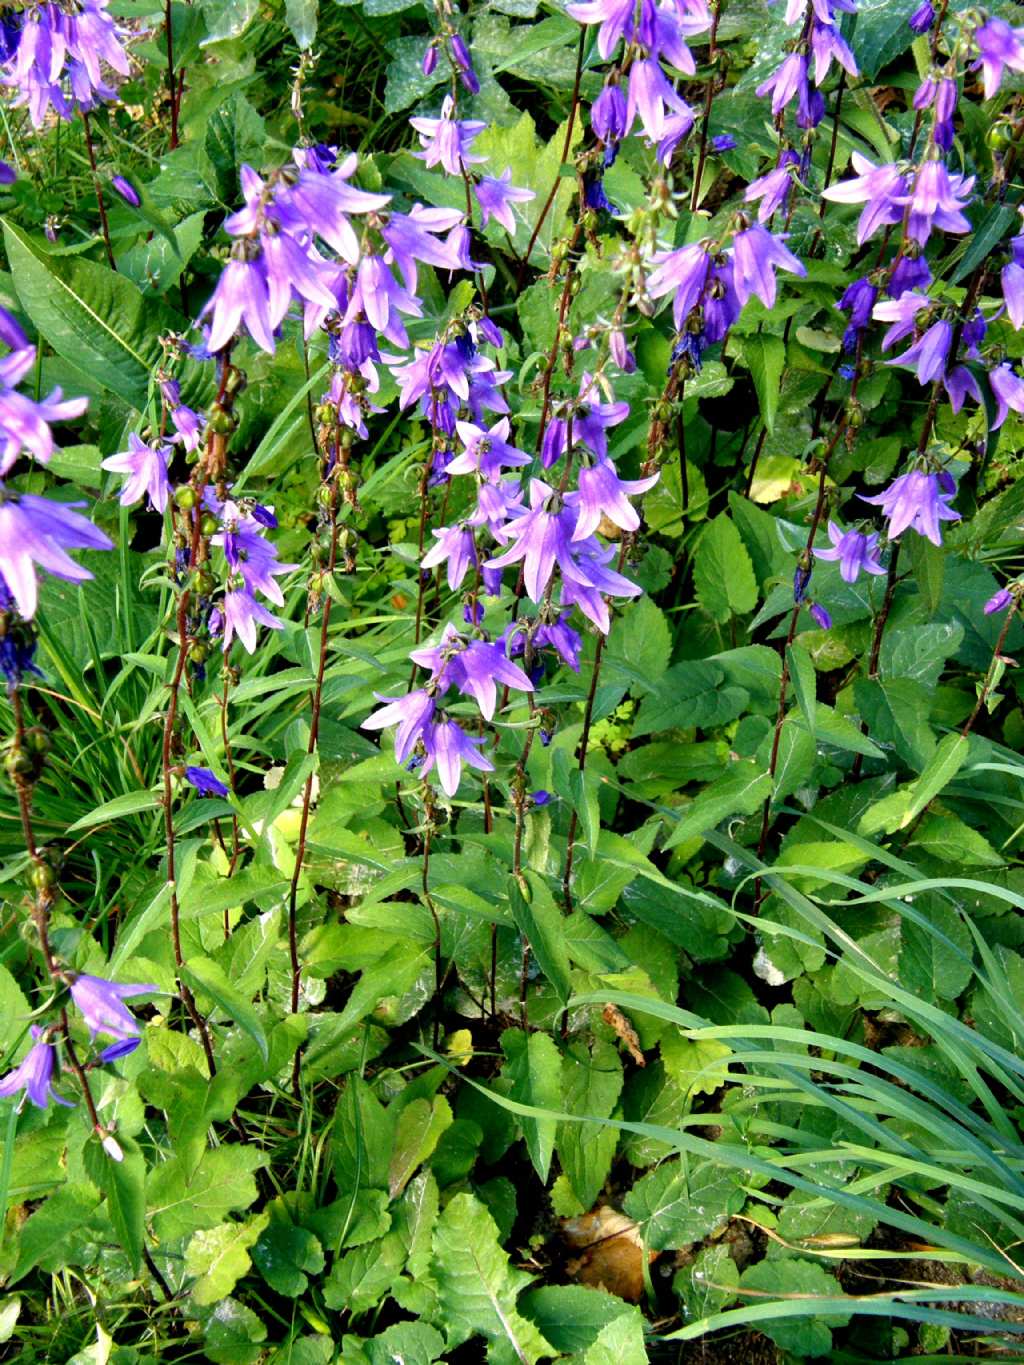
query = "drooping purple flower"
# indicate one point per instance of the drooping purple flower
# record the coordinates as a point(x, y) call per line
point(124, 1047)
point(828, 45)
point(411, 713)
point(608, 116)
point(447, 746)
point(1008, 389)
point(756, 256)
point(909, 272)
point(822, 618)
point(999, 601)
point(858, 300)
point(455, 547)
point(854, 551)
point(460, 54)
point(429, 63)
point(206, 782)
point(937, 201)
point(542, 538)
point(61, 60)
point(664, 114)
point(922, 18)
point(1013, 292)
point(8, 174)
point(249, 553)
point(34, 1075)
point(786, 82)
point(446, 140)
point(723, 142)
point(496, 197)
point(602, 493)
point(614, 16)
point(560, 636)
point(99, 1002)
point(126, 190)
point(242, 614)
point(882, 189)
point(145, 466)
point(36, 530)
point(919, 500)
point(998, 46)
point(25, 423)
point(902, 313)
point(475, 667)
point(960, 384)
point(686, 271)
point(773, 188)
point(594, 582)
point(928, 356)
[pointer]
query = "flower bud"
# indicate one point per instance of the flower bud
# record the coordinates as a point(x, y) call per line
point(185, 497)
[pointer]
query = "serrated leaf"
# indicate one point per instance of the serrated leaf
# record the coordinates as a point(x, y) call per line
point(723, 575)
point(534, 1068)
point(539, 920)
point(690, 695)
point(208, 977)
point(679, 1204)
point(124, 1184)
point(285, 1256)
point(741, 791)
point(477, 1287)
point(219, 1257)
point(903, 807)
point(766, 357)
point(222, 1182)
point(783, 1278)
point(417, 1133)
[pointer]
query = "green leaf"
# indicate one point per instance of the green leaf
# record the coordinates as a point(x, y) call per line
point(741, 791)
point(723, 575)
point(621, 1342)
point(985, 237)
point(766, 357)
point(44, 1239)
point(676, 1206)
point(301, 17)
point(534, 1069)
point(207, 977)
point(411, 1343)
point(708, 1283)
point(783, 1278)
point(95, 318)
point(690, 695)
point(222, 1182)
point(935, 957)
point(285, 1255)
point(362, 1140)
point(219, 1257)
point(124, 1184)
point(477, 1288)
point(591, 1085)
point(540, 922)
point(572, 1316)
point(131, 803)
point(902, 808)
point(639, 647)
point(417, 1133)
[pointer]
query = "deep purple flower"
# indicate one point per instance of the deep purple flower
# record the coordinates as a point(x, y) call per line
point(126, 190)
point(922, 18)
point(561, 637)
point(206, 782)
point(460, 54)
point(146, 469)
point(411, 713)
point(249, 553)
point(100, 1004)
point(475, 667)
point(590, 424)
point(858, 300)
point(496, 197)
point(772, 189)
point(999, 601)
point(35, 530)
point(686, 271)
point(909, 272)
point(124, 1047)
point(756, 255)
point(1008, 388)
point(998, 46)
point(429, 63)
point(854, 551)
point(446, 140)
point(34, 1075)
point(603, 494)
point(608, 116)
point(960, 384)
point(883, 190)
point(540, 797)
point(455, 547)
point(822, 619)
point(928, 356)
point(918, 500)
point(801, 580)
point(593, 193)
point(17, 646)
point(723, 142)
point(448, 746)
point(8, 175)
point(242, 614)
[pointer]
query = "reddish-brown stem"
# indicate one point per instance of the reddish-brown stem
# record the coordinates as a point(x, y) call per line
point(172, 85)
point(709, 95)
point(100, 201)
point(986, 686)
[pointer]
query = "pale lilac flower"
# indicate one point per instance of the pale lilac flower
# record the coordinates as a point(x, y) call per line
point(475, 667)
point(686, 271)
point(34, 1075)
point(828, 45)
point(603, 494)
point(99, 1002)
point(412, 239)
point(786, 82)
point(455, 546)
point(240, 297)
point(928, 355)
point(242, 614)
point(411, 713)
point(448, 746)
point(446, 140)
point(206, 782)
point(1013, 292)
point(496, 197)
point(146, 468)
point(854, 551)
point(486, 452)
point(883, 189)
point(614, 16)
point(249, 553)
point(937, 201)
point(593, 582)
point(902, 313)
point(756, 255)
point(543, 538)
point(1008, 388)
point(620, 352)
point(773, 188)
point(665, 116)
point(35, 530)
point(998, 46)
point(918, 500)
point(24, 423)
point(960, 384)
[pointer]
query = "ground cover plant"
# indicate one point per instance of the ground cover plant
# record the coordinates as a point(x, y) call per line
point(510, 533)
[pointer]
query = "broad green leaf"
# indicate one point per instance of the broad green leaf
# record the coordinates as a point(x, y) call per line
point(723, 575)
point(679, 1204)
point(540, 922)
point(477, 1287)
point(902, 808)
point(285, 1256)
point(124, 1184)
point(766, 357)
point(621, 1342)
point(219, 1257)
point(207, 977)
point(417, 1133)
point(741, 791)
point(690, 695)
point(222, 1182)
point(45, 1237)
point(534, 1069)
point(811, 1336)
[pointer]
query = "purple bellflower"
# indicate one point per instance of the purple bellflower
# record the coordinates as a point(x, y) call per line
point(919, 500)
point(937, 201)
point(206, 782)
point(126, 190)
point(998, 46)
point(998, 601)
point(447, 746)
point(603, 494)
point(922, 18)
point(242, 614)
point(35, 530)
point(446, 140)
point(34, 1075)
point(99, 1002)
point(496, 197)
point(146, 469)
point(411, 713)
point(1008, 389)
point(854, 551)
point(456, 547)
point(756, 255)
point(686, 271)
point(773, 188)
point(474, 667)
point(882, 189)
point(928, 356)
